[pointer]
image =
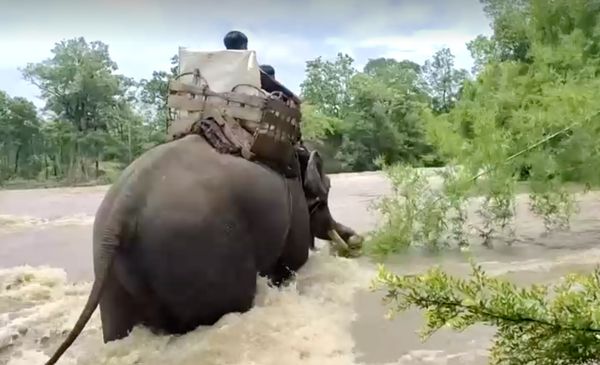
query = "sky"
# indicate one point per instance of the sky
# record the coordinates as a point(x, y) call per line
point(143, 34)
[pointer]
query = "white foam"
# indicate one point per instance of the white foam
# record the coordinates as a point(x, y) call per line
point(307, 322)
point(41, 305)
point(31, 357)
point(16, 222)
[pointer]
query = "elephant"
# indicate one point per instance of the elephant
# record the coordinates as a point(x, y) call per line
point(180, 237)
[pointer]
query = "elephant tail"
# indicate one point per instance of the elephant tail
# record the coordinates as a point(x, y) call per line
point(110, 241)
point(86, 313)
point(90, 306)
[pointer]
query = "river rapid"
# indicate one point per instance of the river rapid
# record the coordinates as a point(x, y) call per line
point(328, 317)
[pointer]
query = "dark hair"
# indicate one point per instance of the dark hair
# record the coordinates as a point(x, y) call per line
point(268, 69)
point(235, 40)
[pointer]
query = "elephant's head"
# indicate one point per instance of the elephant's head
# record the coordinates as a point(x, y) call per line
point(316, 186)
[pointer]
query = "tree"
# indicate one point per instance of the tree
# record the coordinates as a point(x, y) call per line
point(384, 121)
point(483, 51)
point(326, 102)
point(405, 74)
point(77, 82)
point(25, 135)
point(79, 86)
point(155, 91)
point(19, 137)
point(316, 125)
point(91, 117)
point(327, 85)
point(367, 116)
point(382, 66)
point(511, 20)
point(443, 80)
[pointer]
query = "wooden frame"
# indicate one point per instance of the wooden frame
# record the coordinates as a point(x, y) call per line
point(271, 119)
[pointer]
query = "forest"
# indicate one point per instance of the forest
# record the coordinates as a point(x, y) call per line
point(95, 120)
point(527, 114)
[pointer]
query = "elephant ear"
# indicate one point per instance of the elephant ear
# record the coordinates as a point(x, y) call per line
point(314, 181)
point(303, 155)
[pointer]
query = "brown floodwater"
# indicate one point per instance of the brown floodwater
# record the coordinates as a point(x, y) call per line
point(328, 317)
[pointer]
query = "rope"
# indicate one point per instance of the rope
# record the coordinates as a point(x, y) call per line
point(529, 148)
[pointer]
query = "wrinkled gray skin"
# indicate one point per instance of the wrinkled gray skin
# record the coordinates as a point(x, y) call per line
point(180, 237)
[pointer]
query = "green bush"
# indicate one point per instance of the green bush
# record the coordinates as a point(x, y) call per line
point(541, 325)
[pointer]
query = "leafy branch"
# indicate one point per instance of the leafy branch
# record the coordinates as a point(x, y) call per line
point(417, 214)
point(542, 324)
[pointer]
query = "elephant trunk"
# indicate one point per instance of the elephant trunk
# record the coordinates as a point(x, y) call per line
point(344, 238)
point(337, 239)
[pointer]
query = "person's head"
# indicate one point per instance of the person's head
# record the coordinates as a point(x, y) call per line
point(268, 69)
point(235, 40)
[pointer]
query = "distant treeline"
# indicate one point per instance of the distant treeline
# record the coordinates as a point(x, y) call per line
point(95, 121)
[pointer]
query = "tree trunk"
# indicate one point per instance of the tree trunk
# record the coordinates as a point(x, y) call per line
point(17, 154)
point(56, 161)
point(129, 141)
point(46, 166)
point(83, 169)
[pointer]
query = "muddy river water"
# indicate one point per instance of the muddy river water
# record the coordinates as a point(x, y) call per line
point(328, 317)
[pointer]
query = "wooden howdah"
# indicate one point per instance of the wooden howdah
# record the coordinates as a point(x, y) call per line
point(265, 125)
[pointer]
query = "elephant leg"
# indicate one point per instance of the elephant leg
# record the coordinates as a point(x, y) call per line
point(280, 273)
point(299, 240)
point(128, 302)
point(118, 310)
point(294, 256)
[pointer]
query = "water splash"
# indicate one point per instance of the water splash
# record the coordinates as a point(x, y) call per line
point(307, 322)
point(18, 222)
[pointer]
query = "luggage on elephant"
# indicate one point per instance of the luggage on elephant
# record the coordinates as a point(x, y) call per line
point(226, 98)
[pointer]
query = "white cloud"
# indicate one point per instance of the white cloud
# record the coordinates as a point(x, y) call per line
point(143, 34)
point(360, 17)
point(18, 52)
point(417, 46)
point(421, 45)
